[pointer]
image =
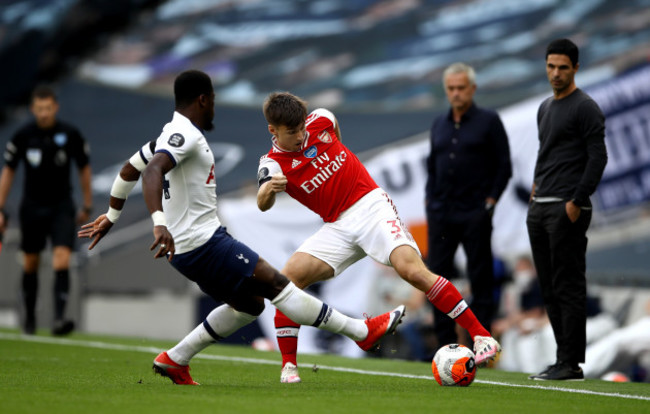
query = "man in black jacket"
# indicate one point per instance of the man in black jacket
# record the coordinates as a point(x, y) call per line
point(468, 169)
point(570, 163)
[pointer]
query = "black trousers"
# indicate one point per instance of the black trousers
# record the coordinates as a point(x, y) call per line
point(559, 248)
point(474, 231)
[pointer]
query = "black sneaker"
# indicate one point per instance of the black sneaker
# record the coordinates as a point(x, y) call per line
point(62, 327)
point(546, 371)
point(560, 371)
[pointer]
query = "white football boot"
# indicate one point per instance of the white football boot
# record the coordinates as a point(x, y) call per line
point(486, 349)
point(289, 374)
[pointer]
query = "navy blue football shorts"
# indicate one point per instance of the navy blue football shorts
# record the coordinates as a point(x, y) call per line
point(219, 267)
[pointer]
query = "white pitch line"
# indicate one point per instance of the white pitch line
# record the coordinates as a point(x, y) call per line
point(154, 350)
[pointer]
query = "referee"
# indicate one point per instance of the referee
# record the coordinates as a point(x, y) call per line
point(47, 147)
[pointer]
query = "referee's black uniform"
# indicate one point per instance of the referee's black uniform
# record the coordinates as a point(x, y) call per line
point(47, 209)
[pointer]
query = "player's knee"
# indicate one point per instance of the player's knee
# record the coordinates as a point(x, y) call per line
point(272, 281)
point(30, 262)
point(256, 308)
point(61, 257)
point(252, 307)
point(280, 281)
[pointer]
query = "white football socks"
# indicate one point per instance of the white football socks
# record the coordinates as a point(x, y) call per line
point(301, 307)
point(222, 321)
point(305, 309)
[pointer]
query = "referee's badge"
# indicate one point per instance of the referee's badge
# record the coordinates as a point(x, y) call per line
point(34, 157)
point(176, 140)
point(60, 138)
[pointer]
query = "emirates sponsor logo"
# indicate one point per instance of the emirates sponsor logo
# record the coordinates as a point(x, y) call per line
point(325, 168)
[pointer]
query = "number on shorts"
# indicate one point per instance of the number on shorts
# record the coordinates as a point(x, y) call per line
point(396, 228)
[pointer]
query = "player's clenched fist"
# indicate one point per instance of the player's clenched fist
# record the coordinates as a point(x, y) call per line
point(278, 182)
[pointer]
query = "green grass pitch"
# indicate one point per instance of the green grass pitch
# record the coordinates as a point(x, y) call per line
point(91, 374)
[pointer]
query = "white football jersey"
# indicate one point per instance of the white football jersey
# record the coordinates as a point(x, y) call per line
point(189, 189)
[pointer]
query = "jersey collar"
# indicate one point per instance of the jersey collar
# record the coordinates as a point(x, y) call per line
point(277, 148)
point(178, 116)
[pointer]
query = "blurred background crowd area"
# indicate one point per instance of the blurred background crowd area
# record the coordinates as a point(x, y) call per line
point(378, 65)
point(353, 54)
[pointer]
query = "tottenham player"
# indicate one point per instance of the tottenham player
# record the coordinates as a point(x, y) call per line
point(308, 160)
point(179, 190)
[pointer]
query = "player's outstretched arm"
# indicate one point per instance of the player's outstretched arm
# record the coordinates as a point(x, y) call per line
point(122, 187)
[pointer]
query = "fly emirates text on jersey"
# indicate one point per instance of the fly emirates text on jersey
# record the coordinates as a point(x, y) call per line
point(326, 168)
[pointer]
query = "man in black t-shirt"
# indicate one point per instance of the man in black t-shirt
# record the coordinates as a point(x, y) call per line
point(570, 163)
point(47, 147)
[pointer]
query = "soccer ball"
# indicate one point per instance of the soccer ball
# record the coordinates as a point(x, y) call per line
point(454, 364)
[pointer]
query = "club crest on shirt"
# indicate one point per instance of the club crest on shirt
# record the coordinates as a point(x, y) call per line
point(310, 152)
point(60, 138)
point(34, 156)
point(325, 137)
point(176, 140)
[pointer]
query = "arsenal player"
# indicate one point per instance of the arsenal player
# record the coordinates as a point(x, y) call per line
point(308, 161)
point(179, 188)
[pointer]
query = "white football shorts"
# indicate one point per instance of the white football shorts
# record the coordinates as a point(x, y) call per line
point(370, 227)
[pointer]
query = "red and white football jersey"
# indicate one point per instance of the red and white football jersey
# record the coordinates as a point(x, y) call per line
point(324, 175)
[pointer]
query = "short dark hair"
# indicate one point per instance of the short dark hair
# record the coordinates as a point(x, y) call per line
point(285, 109)
point(189, 85)
point(43, 92)
point(563, 47)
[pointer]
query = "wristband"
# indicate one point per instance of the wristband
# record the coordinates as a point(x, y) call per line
point(122, 188)
point(137, 162)
point(158, 218)
point(113, 214)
